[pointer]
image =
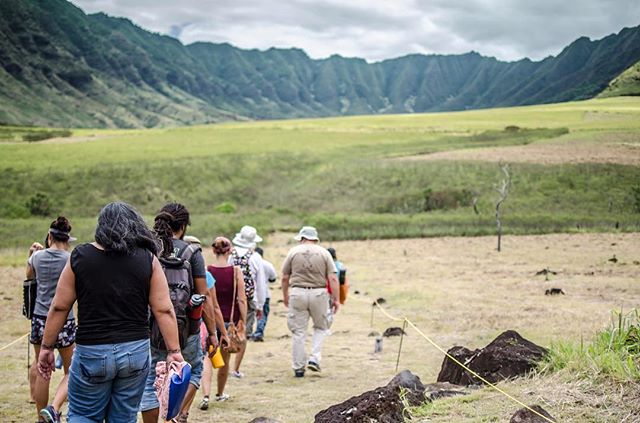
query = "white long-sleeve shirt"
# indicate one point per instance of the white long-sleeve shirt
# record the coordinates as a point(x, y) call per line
point(259, 278)
point(269, 273)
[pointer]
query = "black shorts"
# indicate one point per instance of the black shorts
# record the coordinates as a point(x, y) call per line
point(66, 337)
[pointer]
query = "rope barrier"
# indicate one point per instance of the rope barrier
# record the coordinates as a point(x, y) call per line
point(15, 341)
point(406, 321)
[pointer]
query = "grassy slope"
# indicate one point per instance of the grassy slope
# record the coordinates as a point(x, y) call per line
point(330, 172)
point(627, 83)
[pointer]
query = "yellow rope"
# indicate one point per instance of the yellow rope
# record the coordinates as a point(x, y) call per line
point(13, 342)
point(439, 348)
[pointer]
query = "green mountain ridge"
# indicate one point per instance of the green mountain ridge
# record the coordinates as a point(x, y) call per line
point(62, 67)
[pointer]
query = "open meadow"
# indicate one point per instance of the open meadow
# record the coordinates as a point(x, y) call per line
point(459, 291)
point(574, 167)
point(395, 196)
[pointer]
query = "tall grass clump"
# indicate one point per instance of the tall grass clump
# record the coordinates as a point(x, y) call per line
point(614, 352)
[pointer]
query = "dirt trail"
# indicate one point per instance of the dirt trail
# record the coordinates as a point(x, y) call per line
point(458, 290)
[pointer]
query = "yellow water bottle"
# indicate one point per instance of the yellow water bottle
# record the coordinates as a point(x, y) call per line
point(217, 361)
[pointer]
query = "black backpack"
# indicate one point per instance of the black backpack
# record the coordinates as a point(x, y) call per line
point(177, 269)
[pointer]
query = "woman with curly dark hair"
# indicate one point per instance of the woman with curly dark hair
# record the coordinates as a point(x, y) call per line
point(116, 280)
point(45, 266)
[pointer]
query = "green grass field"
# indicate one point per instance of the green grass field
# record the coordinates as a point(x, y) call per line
point(345, 175)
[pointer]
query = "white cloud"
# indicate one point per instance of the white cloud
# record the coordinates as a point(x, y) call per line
point(379, 29)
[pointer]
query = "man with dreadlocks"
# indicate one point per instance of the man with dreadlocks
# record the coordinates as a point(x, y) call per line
point(170, 227)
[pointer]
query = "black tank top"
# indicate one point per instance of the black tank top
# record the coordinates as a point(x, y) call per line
point(113, 295)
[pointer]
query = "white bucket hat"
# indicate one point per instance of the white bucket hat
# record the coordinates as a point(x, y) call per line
point(247, 237)
point(307, 232)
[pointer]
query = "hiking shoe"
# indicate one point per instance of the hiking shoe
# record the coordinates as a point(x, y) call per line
point(50, 415)
point(257, 339)
point(221, 398)
point(313, 366)
point(299, 372)
point(237, 374)
point(204, 404)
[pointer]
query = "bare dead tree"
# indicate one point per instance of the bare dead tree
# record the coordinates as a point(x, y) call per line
point(503, 191)
point(474, 202)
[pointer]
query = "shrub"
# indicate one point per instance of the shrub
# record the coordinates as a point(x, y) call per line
point(614, 352)
point(44, 135)
point(39, 205)
point(635, 198)
point(446, 199)
point(225, 207)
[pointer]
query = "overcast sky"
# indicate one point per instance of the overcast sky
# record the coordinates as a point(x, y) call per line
point(381, 29)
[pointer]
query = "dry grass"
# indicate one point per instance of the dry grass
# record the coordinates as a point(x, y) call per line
point(615, 149)
point(460, 291)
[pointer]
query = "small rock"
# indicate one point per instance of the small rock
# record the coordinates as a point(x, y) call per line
point(554, 291)
point(546, 271)
point(356, 292)
point(270, 381)
point(264, 420)
point(285, 336)
point(394, 331)
point(7, 298)
point(434, 391)
point(374, 333)
point(524, 415)
point(280, 301)
point(379, 301)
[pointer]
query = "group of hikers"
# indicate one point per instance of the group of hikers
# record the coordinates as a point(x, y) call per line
point(145, 295)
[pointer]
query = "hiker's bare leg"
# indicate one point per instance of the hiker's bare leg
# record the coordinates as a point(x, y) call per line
point(206, 377)
point(33, 373)
point(223, 373)
point(188, 399)
point(61, 392)
point(239, 357)
point(151, 416)
point(41, 391)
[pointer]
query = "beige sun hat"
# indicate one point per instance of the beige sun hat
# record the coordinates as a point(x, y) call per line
point(247, 237)
point(307, 232)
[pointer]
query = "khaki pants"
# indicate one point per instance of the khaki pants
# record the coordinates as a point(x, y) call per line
point(302, 304)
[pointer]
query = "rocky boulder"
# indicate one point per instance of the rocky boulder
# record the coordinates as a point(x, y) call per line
point(381, 405)
point(506, 357)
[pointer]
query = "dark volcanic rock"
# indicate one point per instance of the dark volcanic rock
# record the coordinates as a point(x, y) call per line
point(525, 415)
point(395, 331)
point(381, 405)
point(507, 356)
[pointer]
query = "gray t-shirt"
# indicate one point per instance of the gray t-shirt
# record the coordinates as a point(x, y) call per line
point(47, 265)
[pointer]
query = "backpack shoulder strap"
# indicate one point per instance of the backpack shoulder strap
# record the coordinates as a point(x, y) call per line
point(188, 251)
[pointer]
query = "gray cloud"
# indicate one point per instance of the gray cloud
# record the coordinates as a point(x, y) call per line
point(378, 29)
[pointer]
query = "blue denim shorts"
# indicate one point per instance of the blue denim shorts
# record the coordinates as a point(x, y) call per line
point(192, 353)
point(106, 381)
